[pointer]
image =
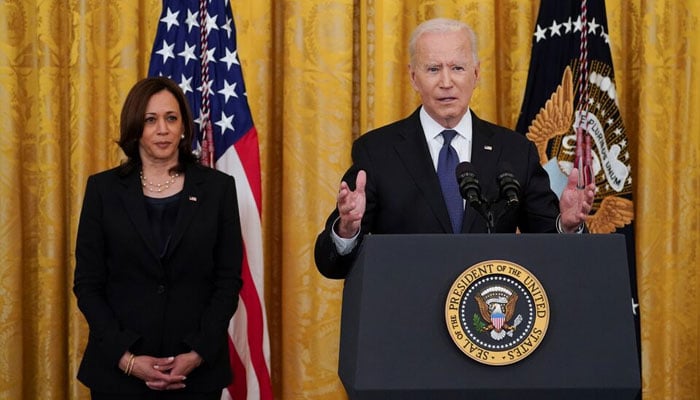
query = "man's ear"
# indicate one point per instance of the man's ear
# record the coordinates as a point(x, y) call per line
point(412, 76)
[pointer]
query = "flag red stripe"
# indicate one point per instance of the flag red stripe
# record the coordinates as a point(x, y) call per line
point(238, 388)
point(255, 358)
point(248, 152)
point(249, 295)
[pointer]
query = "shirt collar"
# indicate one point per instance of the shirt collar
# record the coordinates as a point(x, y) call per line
point(432, 128)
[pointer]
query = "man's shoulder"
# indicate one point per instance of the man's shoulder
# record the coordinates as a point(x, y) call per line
point(497, 132)
point(393, 130)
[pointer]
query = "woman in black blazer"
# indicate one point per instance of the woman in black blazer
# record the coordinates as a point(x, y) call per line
point(158, 259)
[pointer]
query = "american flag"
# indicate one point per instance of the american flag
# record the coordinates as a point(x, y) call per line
point(195, 45)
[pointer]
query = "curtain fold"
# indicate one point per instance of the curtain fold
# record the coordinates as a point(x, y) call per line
point(668, 180)
point(318, 74)
point(317, 95)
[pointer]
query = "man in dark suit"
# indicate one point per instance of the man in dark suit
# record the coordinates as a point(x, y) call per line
point(396, 168)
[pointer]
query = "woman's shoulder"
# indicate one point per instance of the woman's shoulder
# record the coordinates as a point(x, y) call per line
point(111, 174)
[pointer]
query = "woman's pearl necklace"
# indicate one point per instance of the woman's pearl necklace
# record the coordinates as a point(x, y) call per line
point(157, 187)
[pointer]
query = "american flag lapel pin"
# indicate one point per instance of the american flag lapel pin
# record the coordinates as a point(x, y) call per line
point(193, 198)
point(488, 147)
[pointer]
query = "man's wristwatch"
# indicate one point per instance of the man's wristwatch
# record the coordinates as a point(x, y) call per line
point(561, 230)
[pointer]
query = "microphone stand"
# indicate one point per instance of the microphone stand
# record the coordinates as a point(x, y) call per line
point(487, 211)
point(483, 207)
point(490, 220)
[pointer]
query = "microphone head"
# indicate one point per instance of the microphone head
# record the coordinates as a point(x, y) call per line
point(470, 189)
point(506, 177)
point(465, 167)
point(468, 183)
point(509, 185)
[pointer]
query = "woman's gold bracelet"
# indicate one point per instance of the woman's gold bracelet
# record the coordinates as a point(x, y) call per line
point(129, 364)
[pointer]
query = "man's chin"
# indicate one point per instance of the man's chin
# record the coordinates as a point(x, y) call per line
point(447, 115)
point(448, 120)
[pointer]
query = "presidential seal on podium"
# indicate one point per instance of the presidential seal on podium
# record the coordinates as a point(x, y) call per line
point(497, 312)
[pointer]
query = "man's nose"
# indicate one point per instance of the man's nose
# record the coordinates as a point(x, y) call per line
point(446, 77)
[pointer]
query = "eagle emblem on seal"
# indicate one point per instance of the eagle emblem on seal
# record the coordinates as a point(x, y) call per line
point(553, 134)
point(497, 307)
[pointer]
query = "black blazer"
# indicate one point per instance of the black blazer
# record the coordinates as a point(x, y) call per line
point(135, 300)
point(404, 194)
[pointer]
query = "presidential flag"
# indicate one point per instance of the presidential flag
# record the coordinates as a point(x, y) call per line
point(195, 45)
point(570, 111)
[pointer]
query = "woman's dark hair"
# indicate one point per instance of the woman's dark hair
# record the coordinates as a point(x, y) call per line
point(133, 118)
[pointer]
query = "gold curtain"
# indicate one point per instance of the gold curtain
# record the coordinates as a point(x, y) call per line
point(318, 74)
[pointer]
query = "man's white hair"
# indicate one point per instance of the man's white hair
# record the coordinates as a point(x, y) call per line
point(441, 25)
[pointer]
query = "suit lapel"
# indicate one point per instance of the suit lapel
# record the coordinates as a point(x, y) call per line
point(189, 203)
point(135, 207)
point(415, 156)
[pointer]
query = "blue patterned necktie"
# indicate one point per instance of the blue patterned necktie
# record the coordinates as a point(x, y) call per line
point(447, 163)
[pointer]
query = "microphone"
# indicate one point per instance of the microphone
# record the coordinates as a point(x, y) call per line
point(470, 190)
point(469, 186)
point(509, 186)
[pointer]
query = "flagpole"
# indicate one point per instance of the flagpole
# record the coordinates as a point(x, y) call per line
point(583, 159)
point(207, 157)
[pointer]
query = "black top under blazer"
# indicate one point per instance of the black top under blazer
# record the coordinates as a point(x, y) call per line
point(135, 300)
point(404, 195)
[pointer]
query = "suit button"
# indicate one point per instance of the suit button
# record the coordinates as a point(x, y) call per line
point(161, 289)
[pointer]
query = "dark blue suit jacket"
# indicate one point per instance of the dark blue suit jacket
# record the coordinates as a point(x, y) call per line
point(135, 300)
point(404, 195)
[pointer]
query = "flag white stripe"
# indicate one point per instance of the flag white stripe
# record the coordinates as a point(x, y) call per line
point(230, 163)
